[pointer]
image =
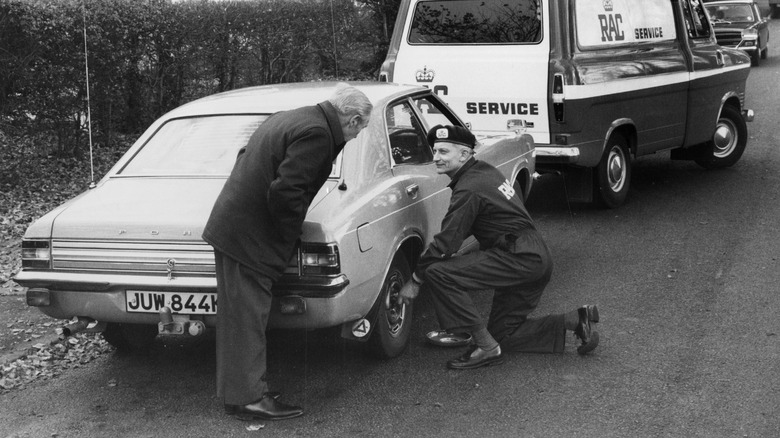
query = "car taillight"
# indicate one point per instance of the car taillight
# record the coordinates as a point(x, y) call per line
point(36, 254)
point(320, 259)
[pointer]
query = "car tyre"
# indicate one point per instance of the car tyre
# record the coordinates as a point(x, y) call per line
point(613, 174)
point(130, 338)
point(390, 336)
point(755, 57)
point(728, 141)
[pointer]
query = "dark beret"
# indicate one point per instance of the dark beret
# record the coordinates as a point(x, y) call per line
point(451, 134)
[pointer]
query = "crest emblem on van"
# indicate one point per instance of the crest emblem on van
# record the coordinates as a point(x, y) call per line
point(425, 75)
point(608, 5)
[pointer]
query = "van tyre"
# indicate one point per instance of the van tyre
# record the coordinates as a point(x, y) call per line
point(613, 174)
point(394, 320)
point(728, 141)
point(130, 338)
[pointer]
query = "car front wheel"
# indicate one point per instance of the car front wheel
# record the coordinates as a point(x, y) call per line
point(394, 319)
point(613, 174)
point(728, 141)
point(755, 58)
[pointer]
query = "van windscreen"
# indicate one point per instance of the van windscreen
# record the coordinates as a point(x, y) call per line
point(476, 22)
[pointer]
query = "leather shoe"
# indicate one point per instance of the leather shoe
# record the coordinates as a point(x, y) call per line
point(476, 357)
point(589, 337)
point(231, 409)
point(267, 408)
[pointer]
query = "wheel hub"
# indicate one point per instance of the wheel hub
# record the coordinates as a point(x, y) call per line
point(616, 170)
point(396, 310)
point(724, 139)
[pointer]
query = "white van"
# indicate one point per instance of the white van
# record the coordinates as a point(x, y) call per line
point(595, 82)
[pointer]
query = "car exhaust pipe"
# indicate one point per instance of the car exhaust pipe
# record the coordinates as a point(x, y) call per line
point(81, 325)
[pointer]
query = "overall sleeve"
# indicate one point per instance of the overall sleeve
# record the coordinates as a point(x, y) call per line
point(298, 178)
point(455, 228)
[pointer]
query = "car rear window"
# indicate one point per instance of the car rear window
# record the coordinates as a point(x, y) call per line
point(199, 146)
point(476, 22)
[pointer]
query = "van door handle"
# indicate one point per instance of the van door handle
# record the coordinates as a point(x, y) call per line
point(412, 190)
point(719, 58)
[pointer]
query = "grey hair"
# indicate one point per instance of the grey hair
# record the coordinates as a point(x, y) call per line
point(350, 101)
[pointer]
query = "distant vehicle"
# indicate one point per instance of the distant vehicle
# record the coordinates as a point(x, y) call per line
point(739, 24)
point(127, 258)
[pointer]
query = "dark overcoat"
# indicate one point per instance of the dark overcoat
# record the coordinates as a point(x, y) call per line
point(257, 218)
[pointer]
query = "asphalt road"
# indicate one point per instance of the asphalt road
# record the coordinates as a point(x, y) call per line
point(686, 276)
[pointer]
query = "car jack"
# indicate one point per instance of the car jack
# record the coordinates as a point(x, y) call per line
point(171, 324)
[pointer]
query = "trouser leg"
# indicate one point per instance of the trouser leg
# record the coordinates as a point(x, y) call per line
point(510, 325)
point(244, 302)
point(451, 281)
point(518, 280)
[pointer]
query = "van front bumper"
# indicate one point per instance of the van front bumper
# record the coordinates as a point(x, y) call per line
point(557, 155)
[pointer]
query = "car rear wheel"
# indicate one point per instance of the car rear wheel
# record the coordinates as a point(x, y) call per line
point(130, 338)
point(394, 319)
point(728, 141)
point(613, 174)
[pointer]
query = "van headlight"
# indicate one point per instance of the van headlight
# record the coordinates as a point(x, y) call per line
point(36, 254)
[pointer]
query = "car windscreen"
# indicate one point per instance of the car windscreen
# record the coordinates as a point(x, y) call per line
point(476, 22)
point(198, 146)
point(730, 13)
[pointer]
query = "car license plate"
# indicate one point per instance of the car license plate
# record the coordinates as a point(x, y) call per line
point(144, 301)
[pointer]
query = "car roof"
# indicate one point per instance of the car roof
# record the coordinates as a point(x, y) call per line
point(278, 97)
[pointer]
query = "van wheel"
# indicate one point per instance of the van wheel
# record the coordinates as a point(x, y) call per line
point(130, 338)
point(613, 174)
point(728, 142)
point(394, 319)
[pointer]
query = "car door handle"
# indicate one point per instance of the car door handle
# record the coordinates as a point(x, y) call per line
point(412, 190)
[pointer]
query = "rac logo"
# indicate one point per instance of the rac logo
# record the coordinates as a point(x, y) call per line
point(610, 27)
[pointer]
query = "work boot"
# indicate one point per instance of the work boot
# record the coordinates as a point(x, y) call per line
point(589, 337)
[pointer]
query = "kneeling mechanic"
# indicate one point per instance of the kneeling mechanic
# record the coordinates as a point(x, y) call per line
point(513, 260)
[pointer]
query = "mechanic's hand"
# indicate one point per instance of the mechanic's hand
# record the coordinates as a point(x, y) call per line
point(409, 292)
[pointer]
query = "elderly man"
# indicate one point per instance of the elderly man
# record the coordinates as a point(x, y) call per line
point(253, 228)
point(512, 259)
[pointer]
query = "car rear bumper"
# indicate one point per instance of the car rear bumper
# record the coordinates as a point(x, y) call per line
point(314, 303)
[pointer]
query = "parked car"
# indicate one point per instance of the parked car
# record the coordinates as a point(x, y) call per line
point(738, 23)
point(126, 257)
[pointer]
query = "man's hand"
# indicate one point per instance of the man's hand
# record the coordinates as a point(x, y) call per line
point(409, 292)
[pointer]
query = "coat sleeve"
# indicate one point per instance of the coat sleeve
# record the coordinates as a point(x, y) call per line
point(455, 228)
point(298, 178)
